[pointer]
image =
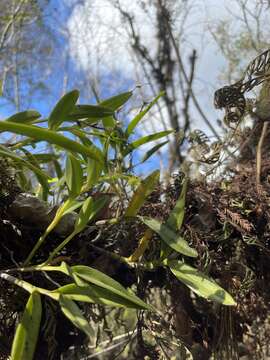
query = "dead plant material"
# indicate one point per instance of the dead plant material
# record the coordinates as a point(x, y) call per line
point(236, 220)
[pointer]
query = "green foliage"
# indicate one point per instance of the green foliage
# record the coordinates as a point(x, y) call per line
point(100, 295)
point(98, 278)
point(146, 139)
point(115, 102)
point(153, 150)
point(141, 193)
point(132, 125)
point(74, 314)
point(41, 134)
point(28, 116)
point(26, 335)
point(171, 238)
point(176, 217)
point(62, 109)
point(73, 175)
point(91, 165)
point(200, 283)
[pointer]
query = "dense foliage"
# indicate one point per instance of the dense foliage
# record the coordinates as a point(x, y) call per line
point(130, 258)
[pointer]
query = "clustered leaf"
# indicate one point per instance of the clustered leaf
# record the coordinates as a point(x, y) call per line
point(94, 158)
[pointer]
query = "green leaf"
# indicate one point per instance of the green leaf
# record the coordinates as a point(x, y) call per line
point(81, 135)
point(25, 116)
point(100, 134)
point(176, 216)
point(132, 180)
point(146, 139)
point(142, 192)
point(175, 241)
point(108, 122)
point(6, 152)
point(95, 294)
point(67, 207)
point(58, 169)
point(80, 124)
point(115, 102)
point(26, 336)
point(51, 137)
point(87, 142)
point(154, 149)
point(94, 170)
point(101, 286)
point(78, 281)
point(88, 211)
point(41, 179)
point(73, 175)
point(89, 112)
point(44, 158)
point(62, 109)
point(72, 311)
point(139, 117)
point(96, 277)
point(199, 283)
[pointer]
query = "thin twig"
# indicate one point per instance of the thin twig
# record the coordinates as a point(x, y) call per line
point(182, 69)
point(9, 24)
point(115, 338)
point(110, 348)
point(259, 155)
point(193, 58)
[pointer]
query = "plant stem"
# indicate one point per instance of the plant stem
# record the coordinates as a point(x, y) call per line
point(259, 155)
point(60, 246)
point(27, 286)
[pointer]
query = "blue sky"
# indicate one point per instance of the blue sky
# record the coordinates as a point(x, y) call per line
point(78, 59)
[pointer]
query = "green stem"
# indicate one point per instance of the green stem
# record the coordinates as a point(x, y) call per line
point(60, 247)
point(35, 248)
point(53, 224)
point(27, 286)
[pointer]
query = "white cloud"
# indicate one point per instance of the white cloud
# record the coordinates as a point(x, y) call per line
point(99, 39)
point(100, 43)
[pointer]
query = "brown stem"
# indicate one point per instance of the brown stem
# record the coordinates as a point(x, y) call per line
point(259, 155)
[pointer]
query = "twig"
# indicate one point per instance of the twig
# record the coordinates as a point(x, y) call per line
point(161, 77)
point(118, 337)
point(50, 279)
point(182, 68)
point(259, 155)
point(110, 348)
point(193, 58)
point(11, 253)
point(10, 23)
